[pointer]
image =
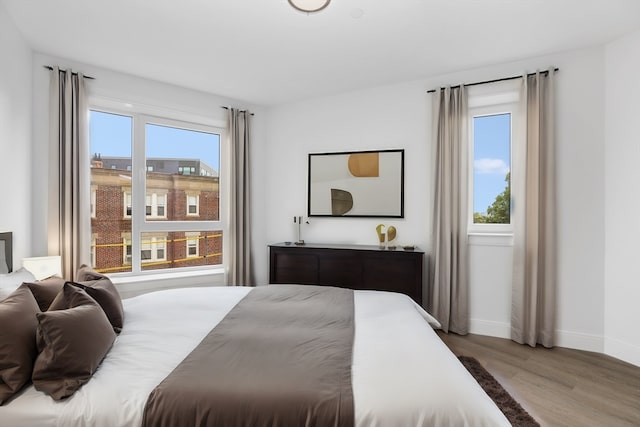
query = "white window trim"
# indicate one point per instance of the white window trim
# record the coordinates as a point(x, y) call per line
point(93, 251)
point(154, 194)
point(190, 239)
point(197, 212)
point(486, 101)
point(139, 224)
point(93, 202)
point(154, 204)
point(154, 243)
point(126, 243)
point(126, 204)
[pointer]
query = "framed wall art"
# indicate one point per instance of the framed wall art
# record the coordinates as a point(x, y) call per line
point(356, 184)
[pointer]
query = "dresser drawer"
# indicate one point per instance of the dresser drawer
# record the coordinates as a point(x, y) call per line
point(294, 268)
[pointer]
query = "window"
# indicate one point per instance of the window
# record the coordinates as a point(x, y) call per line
point(93, 202)
point(126, 244)
point(153, 248)
point(160, 205)
point(155, 205)
point(151, 192)
point(193, 240)
point(192, 204)
point(127, 204)
point(493, 165)
point(93, 251)
point(186, 170)
point(492, 169)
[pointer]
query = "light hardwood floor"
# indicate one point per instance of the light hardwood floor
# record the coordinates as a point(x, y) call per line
point(559, 386)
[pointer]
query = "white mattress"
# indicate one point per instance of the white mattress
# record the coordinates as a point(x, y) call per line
point(403, 374)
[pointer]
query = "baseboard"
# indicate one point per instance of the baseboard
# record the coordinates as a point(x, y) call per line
point(580, 341)
point(622, 350)
point(574, 340)
point(490, 328)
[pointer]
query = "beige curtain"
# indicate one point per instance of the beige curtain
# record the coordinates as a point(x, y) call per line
point(69, 198)
point(240, 268)
point(534, 270)
point(448, 272)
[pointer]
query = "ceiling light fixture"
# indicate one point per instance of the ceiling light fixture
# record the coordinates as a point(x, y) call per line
point(309, 6)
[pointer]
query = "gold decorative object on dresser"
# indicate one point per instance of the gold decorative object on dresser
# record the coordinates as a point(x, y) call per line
point(348, 266)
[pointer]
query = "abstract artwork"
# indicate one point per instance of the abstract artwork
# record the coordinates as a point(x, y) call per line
point(357, 184)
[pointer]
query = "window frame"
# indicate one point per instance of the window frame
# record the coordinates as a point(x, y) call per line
point(141, 116)
point(191, 237)
point(94, 197)
point(126, 258)
point(154, 195)
point(197, 205)
point(155, 242)
point(126, 205)
point(488, 101)
point(93, 251)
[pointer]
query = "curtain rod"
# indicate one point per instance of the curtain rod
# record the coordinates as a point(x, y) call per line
point(241, 111)
point(496, 80)
point(49, 67)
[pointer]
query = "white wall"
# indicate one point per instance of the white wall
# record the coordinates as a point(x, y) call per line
point(398, 116)
point(622, 154)
point(380, 118)
point(15, 136)
point(155, 97)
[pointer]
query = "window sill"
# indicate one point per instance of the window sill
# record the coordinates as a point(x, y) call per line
point(130, 285)
point(155, 276)
point(490, 239)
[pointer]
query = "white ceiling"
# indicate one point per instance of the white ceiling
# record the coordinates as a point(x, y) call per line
point(265, 52)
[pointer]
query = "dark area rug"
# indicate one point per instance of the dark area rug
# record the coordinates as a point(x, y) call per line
point(516, 415)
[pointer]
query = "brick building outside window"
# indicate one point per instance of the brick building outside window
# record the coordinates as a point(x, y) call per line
point(172, 195)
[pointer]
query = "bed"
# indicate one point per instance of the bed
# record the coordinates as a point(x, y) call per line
point(402, 374)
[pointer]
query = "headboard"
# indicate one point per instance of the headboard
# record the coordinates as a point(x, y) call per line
point(6, 253)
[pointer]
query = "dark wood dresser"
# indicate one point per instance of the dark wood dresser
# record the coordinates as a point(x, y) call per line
point(348, 266)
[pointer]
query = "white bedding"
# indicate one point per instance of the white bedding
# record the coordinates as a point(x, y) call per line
point(403, 374)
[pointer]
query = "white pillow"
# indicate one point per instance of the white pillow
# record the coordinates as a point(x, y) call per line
point(9, 282)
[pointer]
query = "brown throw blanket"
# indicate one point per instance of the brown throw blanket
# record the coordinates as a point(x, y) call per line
point(281, 357)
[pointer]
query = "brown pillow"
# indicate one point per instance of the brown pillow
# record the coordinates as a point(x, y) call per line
point(45, 291)
point(73, 337)
point(100, 288)
point(87, 273)
point(17, 341)
point(105, 294)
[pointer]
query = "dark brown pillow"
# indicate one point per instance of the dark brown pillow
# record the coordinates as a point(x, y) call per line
point(87, 273)
point(100, 288)
point(105, 294)
point(17, 341)
point(45, 291)
point(72, 343)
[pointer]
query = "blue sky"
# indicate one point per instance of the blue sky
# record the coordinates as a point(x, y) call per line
point(491, 158)
point(110, 135)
